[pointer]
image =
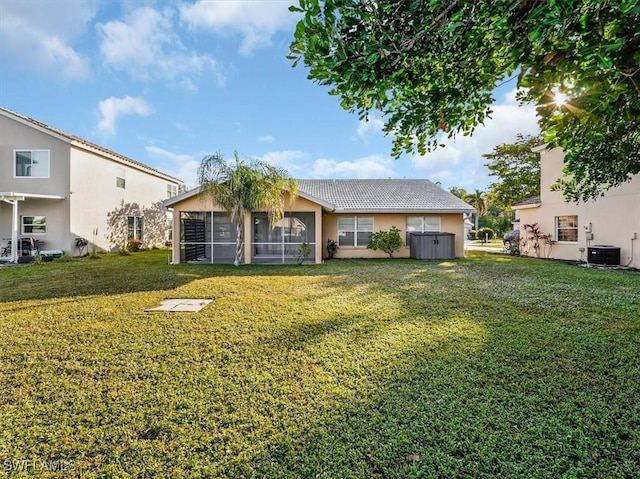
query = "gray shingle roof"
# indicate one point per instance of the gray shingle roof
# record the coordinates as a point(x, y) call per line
point(383, 195)
point(533, 201)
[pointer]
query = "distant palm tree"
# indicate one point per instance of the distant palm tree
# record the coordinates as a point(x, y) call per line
point(478, 200)
point(242, 187)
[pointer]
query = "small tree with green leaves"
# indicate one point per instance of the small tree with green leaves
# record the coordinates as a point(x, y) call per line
point(387, 241)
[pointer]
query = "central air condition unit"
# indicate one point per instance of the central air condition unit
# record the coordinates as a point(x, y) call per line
point(604, 254)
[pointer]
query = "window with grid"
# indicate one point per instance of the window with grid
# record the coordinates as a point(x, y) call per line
point(567, 228)
point(134, 228)
point(422, 224)
point(354, 230)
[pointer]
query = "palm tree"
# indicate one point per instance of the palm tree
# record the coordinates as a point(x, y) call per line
point(477, 199)
point(242, 186)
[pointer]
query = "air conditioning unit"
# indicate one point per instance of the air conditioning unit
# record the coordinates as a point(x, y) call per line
point(604, 254)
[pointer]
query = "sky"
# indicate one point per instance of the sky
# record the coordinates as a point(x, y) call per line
point(167, 83)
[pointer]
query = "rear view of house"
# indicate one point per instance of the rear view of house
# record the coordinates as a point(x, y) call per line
point(57, 190)
point(346, 212)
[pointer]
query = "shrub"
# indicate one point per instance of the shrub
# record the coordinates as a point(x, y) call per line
point(485, 233)
point(387, 241)
point(332, 246)
point(134, 245)
point(303, 252)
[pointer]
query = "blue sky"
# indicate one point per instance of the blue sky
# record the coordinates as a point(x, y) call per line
point(167, 83)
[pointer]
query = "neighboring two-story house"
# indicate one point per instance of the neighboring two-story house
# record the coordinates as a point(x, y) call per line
point(56, 188)
point(601, 231)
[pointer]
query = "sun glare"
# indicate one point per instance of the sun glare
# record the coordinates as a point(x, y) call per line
point(559, 98)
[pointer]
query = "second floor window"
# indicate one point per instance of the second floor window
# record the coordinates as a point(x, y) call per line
point(32, 163)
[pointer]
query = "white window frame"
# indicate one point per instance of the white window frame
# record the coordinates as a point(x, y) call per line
point(566, 228)
point(33, 223)
point(424, 226)
point(27, 150)
point(342, 231)
point(172, 190)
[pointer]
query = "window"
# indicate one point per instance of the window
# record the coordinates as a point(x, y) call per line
point(172, 190)
point(120, 182)
point(567, 228)
point(32, 163)
point(34, 225)
point(134, 228)
point(422, 224)
point(354, 230)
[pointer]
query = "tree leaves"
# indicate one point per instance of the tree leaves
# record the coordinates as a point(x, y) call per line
point(412, 59)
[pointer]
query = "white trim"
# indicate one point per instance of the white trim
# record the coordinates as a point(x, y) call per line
point(6, 195)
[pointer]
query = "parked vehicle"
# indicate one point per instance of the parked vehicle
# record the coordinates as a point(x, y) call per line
point(511, 241)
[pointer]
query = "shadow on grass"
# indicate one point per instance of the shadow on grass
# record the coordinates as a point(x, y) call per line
point(375, 369)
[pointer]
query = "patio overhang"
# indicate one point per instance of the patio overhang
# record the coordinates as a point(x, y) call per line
point(13, 198)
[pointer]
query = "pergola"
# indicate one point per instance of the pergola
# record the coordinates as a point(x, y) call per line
point(13, 199)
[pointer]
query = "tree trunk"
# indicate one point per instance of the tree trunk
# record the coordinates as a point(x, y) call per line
point(239, 243)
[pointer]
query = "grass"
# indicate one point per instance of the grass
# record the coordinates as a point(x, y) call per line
point(490, 366)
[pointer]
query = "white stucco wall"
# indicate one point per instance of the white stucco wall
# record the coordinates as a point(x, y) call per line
point(612, 220)
point(94, 192)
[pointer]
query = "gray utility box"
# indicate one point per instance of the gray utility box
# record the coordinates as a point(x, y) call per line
point(432, 245)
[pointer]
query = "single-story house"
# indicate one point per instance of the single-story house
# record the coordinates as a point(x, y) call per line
point(344, 211)
point(57, 190)
point(601, 231)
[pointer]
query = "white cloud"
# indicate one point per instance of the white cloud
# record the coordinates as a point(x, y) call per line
point(368, 167)
point(257, 21)
point(112, 108)
point(371, 126)
point(41, 34)
point(266, 139)
point(145, 45)
point(182, 166)
point(294, 161)
point(460, 162)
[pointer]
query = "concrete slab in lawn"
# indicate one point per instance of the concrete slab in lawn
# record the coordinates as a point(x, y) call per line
point(188, 305)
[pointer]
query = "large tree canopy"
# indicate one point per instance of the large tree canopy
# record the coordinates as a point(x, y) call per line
point(432, 65)
point(517, 169)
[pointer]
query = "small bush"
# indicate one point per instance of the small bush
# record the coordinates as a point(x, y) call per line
point(303, 252)
point(134, 245)
point(485, 233)
point(387, 241)
point(332, 246)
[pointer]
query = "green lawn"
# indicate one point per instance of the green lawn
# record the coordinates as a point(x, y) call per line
point(491, 366)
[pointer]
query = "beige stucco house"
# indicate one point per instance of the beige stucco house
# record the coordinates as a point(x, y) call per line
point(588, 230)
point(56, 187)
point(345, 211)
